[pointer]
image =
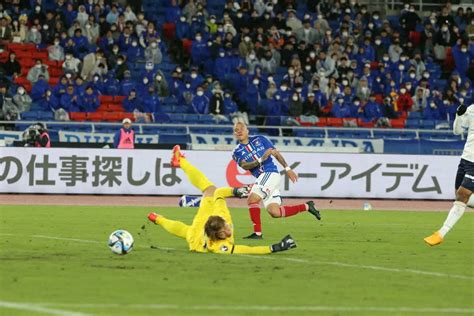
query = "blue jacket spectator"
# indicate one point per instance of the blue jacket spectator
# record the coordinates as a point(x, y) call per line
point(462, 59)
point(151, 102)
point(89, 101)
point(132, 102)
point(199, 50)
point(70, 101)
point(39, 89)
point(61, 87)
point(341, 108)
point(81, 44)
point(48, 102)
point(173, 12)
point(183, 30)
point(229, 105)
point(253, 97)
point(112, 84)
point(135, 52)
point(432, 111)
point(127, 84)
point(372, 110)
point(200, 102)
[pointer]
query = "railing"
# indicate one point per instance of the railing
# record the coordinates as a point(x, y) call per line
point(281, 129)
point(422, 7)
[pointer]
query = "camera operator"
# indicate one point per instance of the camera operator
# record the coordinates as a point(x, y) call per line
point(36, 136)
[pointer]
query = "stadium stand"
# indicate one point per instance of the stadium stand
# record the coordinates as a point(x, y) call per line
point(308, 63)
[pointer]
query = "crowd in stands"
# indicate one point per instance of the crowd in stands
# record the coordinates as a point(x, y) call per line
point(272, 58)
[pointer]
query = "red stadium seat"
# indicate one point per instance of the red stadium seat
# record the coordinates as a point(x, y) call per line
point(397, 123)
point(323, 121)
point(361, 123)
point(53, 81)
point(95, 116)
point(16, 47)
point(335, 122)
point(349, 121)
point(112, 116)
point(103, 108)
point(379, 98)
point(78, 116)
point(4, 56)
point(118, 99)
point(115, 107)
point(187, 46)
point(415, 38)
point(106, 99)
point(127, 115)
point(40, 55)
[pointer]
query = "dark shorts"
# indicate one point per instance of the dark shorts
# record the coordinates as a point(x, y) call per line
point(465, 175)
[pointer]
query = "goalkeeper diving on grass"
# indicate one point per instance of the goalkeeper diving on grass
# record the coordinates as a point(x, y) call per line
point(212, 228)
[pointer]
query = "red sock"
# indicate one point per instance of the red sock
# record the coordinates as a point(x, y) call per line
point(254, 210)
point(290, 210)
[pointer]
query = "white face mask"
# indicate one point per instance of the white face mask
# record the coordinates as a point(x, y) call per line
point(145, 80)
point(213, 21)
point(283, 88)
point(200, 93)
point(158, 78)
point(198, 38)
point(356, 103)
point(401, 67)
point(21, 91)
point(188, 85)
point(119, 62)
point(291, 71)
point(426, 75)
point(115, 50)
point(221, 54)
point(403, 58)
point(295, 98)
point(432, 105)
point(96, 79)
point(194, 75)
point(134, 44)
point(38, 65)
point(270, 79)
point(252, 56)
point(182, 19)
point(378, 80)
point(34, 30)
point(88, 26)
point(307, 67)
point(464, 50)
point(255, 82)
point(402, 91)
point(412, 75)
point(444, 29)
point(312, 54)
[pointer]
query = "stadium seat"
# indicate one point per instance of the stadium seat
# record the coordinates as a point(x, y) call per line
point(77, 116)
point(95, 116)
point(323, 121)
point(397, 123)
point(335, 122)
point(412, 123)
point(106, 99)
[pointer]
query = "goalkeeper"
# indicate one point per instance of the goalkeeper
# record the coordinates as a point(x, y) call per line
point(212, 229)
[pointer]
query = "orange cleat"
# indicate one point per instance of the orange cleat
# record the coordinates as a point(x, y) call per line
point(434, 239)
point(176, 156)
point(152, 217)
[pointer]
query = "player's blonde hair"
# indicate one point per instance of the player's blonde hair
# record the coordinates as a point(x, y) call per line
point(213, 225)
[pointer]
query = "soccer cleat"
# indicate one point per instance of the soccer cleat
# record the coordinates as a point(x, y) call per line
point(313, 210)
point(152, 217)
point(176, 156)
point(242, 192)
point(254, 236)
point(434, 239)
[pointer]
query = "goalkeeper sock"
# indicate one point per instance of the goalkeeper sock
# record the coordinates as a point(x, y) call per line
point(224, 192)
point(454, 215)
point(290, 210)
point(254, 210)
point(195, 176)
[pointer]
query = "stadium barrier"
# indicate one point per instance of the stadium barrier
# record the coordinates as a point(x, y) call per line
point(105, 171)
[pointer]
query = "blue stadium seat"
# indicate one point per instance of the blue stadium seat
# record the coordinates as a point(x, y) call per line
point(427, 124)
point(174, 139)
point(415, 115)
point(415, 123)
point(391, 134)
point(309, 133)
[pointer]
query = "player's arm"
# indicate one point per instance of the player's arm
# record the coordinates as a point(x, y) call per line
point(249, 165)
point(291, 174)
point(461, 120)
point(227, 248)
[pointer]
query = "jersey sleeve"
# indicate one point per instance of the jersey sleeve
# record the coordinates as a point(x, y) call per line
point(461, 123)
point(266, 142)
point(235, 157)
point(225, 247)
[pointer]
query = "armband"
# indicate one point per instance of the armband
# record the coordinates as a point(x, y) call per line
point(287, 168)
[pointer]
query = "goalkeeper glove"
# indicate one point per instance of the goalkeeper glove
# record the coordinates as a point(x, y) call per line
point(461, 109)
point(285, 244)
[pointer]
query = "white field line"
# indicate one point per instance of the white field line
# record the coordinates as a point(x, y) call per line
point(312, 262)
point(267, 308)
point(38, 308)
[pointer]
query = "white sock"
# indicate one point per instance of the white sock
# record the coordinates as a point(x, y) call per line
point(470, 203)
point(454, 215)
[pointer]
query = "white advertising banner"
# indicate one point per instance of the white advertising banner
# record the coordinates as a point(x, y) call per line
point(365, 145)
point(115, 171)
point(83, 137)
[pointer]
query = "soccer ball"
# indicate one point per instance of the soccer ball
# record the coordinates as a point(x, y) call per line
point(121, 242)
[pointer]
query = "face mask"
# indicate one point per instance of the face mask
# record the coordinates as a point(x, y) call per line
point(392, 84)
point(119, 62)
point(291, 71)
point(403, 91)
point(38, 65)
point(464, 50)
point(270, 79)
point(401, 67)
point(145, 80)
point(188, 85)
point(378, 80)
point(37, 9)
point(277, 97)
point(34, 30)
point(340, 101)
point(134, 44)
point(255, 82)
point(21, 91)
point(376, 17)
point(412, 75)
point(96, 79)
point(200, 93)
point(385, 58)
point(283, 88)
point(371, 25)
point(213, 21)
point(378, 42)
point(158, 78)
point(295, 98)
point(426, 75)
point(221, 54)
point(194, 75)
point(113, 29)
point(356, 103)
point(345, 82)
point(252, 56)
point(307, 67)
point(432, 105)
point(198, 38)
point(408, 87)
point(444, 29)
point(312, 55)
point(182, 19)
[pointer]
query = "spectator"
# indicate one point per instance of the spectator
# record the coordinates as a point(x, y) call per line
point(22, 100)
point(161, 85)
point(89, 101)
point(432, 111)
point(462, 58)
point(33, 36)
point(56, 51)
point(132, 103)
point(5, 30)
point(12, 67)
point(419, 100)
point(153, 54)
point(200, 102)
point(69, 100)
point(39, 89)
point(404, 100)
point(71, 64)
point(39, 69)
point(388, 110)
point(151, 101)
point(125, 137)
point(48, 102)
point(216, 103)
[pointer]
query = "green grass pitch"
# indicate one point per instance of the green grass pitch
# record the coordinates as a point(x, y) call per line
point(54, 260)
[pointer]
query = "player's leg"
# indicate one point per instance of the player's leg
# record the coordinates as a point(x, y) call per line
point(195, 176)
point(176, 228)
point(465, 187)
point(253, 202)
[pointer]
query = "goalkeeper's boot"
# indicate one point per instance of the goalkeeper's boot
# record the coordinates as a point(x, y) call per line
point(312, 209)
point(434, 239)
point(153, 217)
point(242, 192)
point(176, 156)
point(254, 236)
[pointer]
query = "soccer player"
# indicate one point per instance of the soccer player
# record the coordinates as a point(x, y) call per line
point(464, 177)
point(255, 153)
point(212, 229)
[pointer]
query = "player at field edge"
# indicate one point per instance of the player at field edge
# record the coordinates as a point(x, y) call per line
point(212, 229)
point(254, 153)
point(464, 184)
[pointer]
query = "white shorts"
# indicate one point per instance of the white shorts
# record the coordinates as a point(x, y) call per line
point(267, 187)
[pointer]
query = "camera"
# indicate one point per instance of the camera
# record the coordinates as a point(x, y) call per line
point(31, 135)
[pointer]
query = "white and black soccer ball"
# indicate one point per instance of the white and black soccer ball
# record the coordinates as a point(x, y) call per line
point(121, 242)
